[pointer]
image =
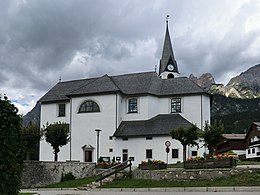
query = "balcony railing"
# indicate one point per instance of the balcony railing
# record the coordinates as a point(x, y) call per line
point(254, 143)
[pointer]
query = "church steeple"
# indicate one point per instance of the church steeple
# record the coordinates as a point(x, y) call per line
point(168, 65)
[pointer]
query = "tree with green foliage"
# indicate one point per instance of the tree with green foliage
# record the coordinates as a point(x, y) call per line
point(187, 136)
point(31, 136)
point(11, 148)
point(212, 135)
point(57, 134)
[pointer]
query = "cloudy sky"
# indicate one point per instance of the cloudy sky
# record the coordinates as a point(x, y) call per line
point(42, 40)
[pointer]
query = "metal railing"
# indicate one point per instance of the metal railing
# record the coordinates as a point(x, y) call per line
point(114, 170)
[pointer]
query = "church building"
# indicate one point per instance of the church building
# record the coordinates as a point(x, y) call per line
point(126, 116)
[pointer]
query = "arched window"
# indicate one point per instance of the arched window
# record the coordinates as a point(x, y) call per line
point(89, 106)
point(170, 76)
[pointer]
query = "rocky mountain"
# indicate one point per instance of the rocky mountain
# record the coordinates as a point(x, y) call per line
point(245, 86)
point(238, 103)
point(206, 81)
point(33, 116)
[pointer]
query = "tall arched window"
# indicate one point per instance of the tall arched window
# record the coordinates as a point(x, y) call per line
point(89, 106)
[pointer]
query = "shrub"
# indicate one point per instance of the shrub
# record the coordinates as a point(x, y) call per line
point(11, 148)
point(67, 176)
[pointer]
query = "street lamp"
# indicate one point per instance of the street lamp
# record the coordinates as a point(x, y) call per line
point(98, 132)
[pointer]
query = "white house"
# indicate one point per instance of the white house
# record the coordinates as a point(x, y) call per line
point(252, 140)
point(135, 113)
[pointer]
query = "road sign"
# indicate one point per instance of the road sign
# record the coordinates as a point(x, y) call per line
point(167, 143)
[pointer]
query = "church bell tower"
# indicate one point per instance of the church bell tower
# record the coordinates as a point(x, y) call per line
point(168, 65)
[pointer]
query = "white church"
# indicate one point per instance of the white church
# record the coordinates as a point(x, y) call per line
point(126, 116)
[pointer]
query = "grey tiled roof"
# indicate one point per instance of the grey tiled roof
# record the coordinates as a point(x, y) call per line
point(159, 125)
point(102, 84)
point(60, 91)
point(128, 84)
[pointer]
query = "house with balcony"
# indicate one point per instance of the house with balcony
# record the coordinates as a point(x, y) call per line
point(252, 140)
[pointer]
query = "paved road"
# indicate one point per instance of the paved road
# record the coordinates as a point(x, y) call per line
point(154, 191)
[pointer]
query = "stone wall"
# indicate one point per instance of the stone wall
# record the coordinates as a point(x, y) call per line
point(186, 175)
point(38, 173)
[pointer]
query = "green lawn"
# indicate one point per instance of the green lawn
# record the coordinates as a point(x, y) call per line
point(248, 163)
point(72, 183)
point(250, 179)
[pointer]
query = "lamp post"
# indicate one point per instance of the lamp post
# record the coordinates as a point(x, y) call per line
point(98, 132)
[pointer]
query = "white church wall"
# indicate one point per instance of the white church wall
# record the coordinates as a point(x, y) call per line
point(49, 114)
point(113, 109)
point(153, 106)
point(206, 109)
point(84, 125)
point(137, 148)
point(142, 109)
point(196, 110)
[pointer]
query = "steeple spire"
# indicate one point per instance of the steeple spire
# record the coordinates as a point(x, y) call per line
point(167, 54)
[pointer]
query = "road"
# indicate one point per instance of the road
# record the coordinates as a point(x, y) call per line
point(153, 191)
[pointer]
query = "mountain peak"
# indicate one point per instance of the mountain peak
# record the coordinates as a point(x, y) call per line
point(205, 81)
point(244, 86)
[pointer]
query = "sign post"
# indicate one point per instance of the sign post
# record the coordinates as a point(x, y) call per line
point(167, 144)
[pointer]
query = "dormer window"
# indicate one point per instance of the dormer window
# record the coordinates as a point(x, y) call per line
point(89, 106)
point(132, 105)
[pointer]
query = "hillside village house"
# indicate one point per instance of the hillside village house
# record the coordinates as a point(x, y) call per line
point(252, 140)
point(133, 114)
point(232, 143)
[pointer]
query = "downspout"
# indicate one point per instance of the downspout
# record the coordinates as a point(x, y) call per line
point(70, 124)
point(201, 112)
point(116, 111)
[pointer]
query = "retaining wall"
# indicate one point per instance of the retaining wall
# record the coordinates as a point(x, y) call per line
point(39, 173)
point(191, 174)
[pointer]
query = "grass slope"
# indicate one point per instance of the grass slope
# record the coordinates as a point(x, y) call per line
point(72, 183)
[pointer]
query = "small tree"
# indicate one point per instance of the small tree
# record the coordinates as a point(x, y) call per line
point(11, 153)
point(212, 135)
point(57, 134)
point(31, 136)
point(187, 136)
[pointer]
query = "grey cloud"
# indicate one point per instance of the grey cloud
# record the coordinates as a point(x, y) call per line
point(39, 39)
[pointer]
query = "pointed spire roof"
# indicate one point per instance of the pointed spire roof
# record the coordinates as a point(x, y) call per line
point(167, 53)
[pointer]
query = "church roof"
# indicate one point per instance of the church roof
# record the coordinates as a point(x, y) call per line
point(159, 125)
point(129, 84)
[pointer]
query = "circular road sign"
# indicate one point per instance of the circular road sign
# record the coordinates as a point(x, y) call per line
point(167, 143)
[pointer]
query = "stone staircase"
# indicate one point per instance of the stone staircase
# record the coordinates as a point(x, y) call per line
point(108, 175)
point(109, 179)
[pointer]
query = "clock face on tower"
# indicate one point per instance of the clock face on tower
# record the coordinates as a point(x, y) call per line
point(170, 67)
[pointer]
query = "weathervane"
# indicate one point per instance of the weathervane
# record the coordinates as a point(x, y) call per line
point(167, 18)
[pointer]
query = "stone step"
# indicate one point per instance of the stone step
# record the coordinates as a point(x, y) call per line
point(94, 185)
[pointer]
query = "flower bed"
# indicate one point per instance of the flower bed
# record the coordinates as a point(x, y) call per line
point(152, 165)
point(105, 165)
point(222, 162)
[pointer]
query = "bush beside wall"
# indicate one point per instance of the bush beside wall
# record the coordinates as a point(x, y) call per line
point(38, 173)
